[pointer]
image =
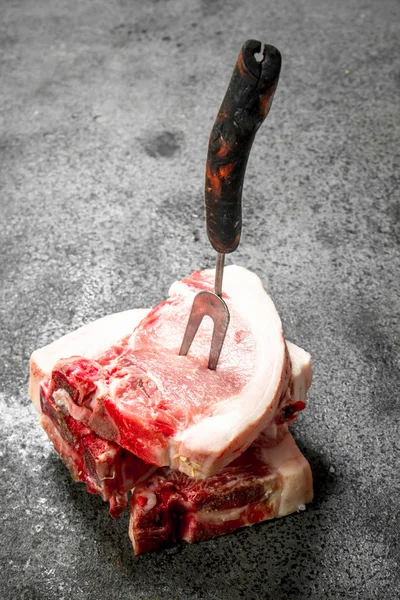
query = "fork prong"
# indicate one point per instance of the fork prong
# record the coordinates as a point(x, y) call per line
point(195, 318)
point(208, 304)
point(219, 332)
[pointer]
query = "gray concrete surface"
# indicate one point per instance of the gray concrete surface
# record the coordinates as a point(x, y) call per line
point(105, 109)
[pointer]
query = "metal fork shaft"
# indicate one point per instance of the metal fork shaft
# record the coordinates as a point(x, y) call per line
point(219, 273)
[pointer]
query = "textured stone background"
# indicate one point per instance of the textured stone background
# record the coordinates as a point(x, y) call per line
point(106, 108)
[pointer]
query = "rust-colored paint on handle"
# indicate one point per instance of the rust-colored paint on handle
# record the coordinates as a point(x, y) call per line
point(245, 106)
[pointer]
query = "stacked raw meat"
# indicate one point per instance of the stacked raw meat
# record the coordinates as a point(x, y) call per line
point(205, 452)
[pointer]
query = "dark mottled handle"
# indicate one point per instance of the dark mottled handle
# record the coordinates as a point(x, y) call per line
point(245, 106)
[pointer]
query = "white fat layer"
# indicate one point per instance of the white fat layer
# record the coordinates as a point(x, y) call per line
point(107, 455)
point(62, 399)
point(88, 341)
point(220, 516)
point(301, 371)
point(294, 470)
point(151, 500)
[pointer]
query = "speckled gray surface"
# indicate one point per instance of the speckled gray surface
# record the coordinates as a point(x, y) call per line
point(105, 112)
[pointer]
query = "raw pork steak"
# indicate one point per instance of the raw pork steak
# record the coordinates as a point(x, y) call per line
point(270, 479)
point(106, 468)
point(263, 483)
point(171, 410)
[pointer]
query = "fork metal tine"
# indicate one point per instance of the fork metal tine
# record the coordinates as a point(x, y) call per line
point(207, 303)
point(219, 332)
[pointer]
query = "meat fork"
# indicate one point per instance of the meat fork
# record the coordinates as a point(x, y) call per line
point(243, 109)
